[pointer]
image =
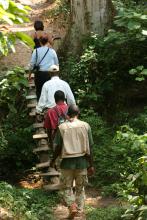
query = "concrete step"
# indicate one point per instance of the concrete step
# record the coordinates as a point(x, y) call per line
point(31, 85)
point(52, 187)
point(38, 125)
point(31, 97)
point(51, 173)
point(38, 149)
point(32, 101)
point(32, 114)
point(33, 105)
point(39, 136)
point(43, 165)
point(33, 92)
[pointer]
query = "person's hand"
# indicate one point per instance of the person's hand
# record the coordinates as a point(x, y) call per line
point(90, 171)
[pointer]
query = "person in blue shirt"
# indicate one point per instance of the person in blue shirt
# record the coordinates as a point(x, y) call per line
point(42, 59)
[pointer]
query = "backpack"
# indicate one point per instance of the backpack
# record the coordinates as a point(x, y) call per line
point(61, 117)
point(36, 67)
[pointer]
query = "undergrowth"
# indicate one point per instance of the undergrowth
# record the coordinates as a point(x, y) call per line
point(24, 204)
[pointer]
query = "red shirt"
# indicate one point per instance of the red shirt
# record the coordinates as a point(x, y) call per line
point(51, 120)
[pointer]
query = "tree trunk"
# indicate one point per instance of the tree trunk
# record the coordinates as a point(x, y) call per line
point(91, 15)
point(88, 16)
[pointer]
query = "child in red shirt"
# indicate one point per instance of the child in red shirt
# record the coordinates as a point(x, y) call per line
point(55, 115)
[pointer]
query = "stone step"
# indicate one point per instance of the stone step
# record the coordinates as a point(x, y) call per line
point(32, 114)
point(38, 125)
point(33, 92)
point(31, 97)
point(33, 105)
point(51, 173)
point(43, 165)
point(31, 85)
point(52, 187)
point(42, 142)
point(39, 136)
point(32, 101)
point(40, 131)
point(38, 149)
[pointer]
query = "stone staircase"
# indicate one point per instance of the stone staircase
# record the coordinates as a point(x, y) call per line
point(42, 148)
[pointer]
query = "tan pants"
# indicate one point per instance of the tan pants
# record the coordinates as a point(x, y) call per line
point(67, 178)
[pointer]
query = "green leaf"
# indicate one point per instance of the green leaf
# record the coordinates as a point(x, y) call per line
point(143, 207)
point(144, 17)
point(139, 67)
point(132, 71)
point(144, 72)
point(25, 38)
point(133, 25)
point(144, 32)
point(140, 79)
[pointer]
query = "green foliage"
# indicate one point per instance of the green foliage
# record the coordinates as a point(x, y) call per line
point(12, 90)
point(111, 213)
point(115, 155)
point(26, 204)
point(135, 187)
point(126, 148)
point(118, 169)
point(3, 141)
point(140, 72)
point(62, 8)
point(139, 122)
point(16, 128)
point(12, 13)
point(131, 18)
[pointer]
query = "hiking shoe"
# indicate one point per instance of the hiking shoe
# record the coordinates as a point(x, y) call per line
point(73, 210)
point(80, 215)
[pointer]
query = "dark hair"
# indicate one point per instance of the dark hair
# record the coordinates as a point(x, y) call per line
point(38, 25)
point(43, 39)
point(73, 110)
point(59, 96)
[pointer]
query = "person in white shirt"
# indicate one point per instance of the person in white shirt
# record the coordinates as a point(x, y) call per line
point(50, 87)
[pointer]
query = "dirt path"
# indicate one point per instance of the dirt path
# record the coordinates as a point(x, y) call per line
point(40, 10)
point(93, 200)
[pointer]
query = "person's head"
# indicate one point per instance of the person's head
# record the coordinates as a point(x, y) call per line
point(43, 39)
point(59, 96)
point(73, 111)
point(54, 70)
point(38, 26)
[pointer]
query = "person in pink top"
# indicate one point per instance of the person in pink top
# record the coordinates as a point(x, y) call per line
point(55, 115)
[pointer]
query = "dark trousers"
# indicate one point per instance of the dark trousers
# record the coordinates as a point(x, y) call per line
point(40, 78)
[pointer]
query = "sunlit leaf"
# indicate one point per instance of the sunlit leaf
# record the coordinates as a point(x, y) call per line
point(25, 38)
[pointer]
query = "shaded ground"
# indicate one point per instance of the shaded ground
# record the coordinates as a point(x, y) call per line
point(93, 200)
point(93, 197)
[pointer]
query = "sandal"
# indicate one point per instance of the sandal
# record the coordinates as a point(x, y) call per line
point(73, 210)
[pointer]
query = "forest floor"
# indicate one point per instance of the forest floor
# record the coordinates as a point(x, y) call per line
point(94, 199)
